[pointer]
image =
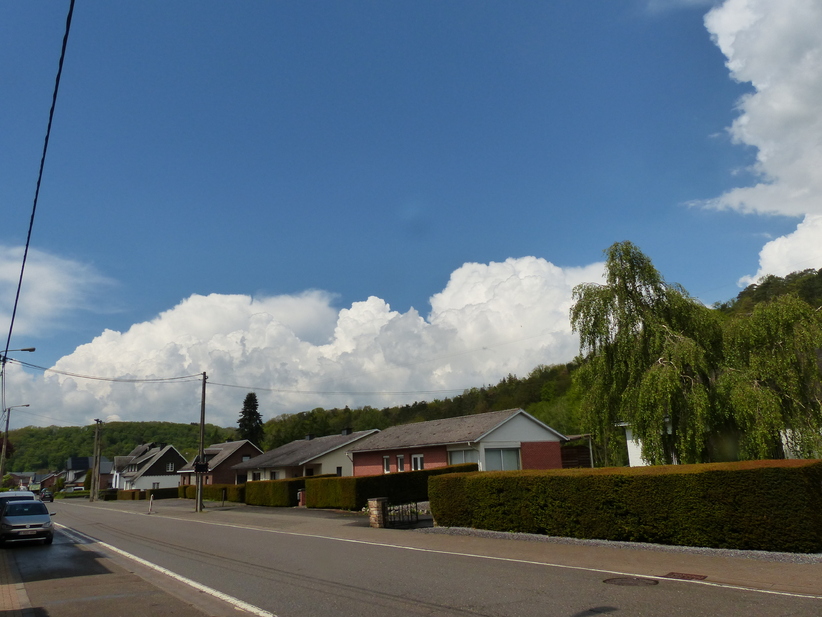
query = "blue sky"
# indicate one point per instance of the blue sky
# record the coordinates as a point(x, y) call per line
point(330, 152)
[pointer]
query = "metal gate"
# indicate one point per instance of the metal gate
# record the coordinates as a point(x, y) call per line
point(402, 515)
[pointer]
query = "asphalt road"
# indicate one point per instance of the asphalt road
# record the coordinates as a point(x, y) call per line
point(299, 564)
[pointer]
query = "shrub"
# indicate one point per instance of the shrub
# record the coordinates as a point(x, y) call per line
point(162, 493)
point(276, 493)
point(764, 505)
point(353, 492)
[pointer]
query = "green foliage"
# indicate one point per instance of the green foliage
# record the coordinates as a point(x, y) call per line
point(48, 448)
point(762, 505)
point(651, 353)
point(250, 424)
point(353, 492)
point(772, 384)
point(274, 493)
point(806, 284)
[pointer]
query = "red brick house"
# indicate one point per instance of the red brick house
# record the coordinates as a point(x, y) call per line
point(497, 440)
point(221, 457)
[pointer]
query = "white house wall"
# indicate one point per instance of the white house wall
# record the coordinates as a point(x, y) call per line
point(329, 462)
point(147, 482)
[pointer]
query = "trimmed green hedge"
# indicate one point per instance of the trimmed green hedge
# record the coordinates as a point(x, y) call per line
point(275, 493)
point(162, 493)
point(131, 494)
point(73, 494)
point(754, 505)
point(213, 492)
point(353, 492)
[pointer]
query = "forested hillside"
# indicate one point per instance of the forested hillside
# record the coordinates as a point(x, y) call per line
point(547, 392)
point(37, 449)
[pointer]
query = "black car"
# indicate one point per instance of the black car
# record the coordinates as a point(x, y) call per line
point(46, 496)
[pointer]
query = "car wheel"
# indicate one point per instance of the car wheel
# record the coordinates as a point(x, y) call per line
point(49, 540)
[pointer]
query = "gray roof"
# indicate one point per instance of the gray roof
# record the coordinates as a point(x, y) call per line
point(302, 451)
point(218, 452)
point(462, 429)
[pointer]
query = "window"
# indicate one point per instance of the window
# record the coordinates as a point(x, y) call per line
point(339, 471)
point(458, 457)
point(245, 458)
point(417, 462)
point(400, 462)
point(309, 472)
point(255, 476)
point(501, 459)
point(155, 485)
point(169, 467)
point(386, 464)
point(275, 475)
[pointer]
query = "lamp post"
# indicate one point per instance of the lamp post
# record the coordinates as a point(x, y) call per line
point(6, 410)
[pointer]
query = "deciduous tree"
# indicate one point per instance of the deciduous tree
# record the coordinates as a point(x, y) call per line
point(650, 355)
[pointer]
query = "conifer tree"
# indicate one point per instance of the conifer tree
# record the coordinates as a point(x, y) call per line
point(251, 422)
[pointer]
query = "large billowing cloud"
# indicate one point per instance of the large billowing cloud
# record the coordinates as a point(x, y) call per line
point(297, 352)
point(777, 47)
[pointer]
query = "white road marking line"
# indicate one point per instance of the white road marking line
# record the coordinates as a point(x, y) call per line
point(475, 556)
point(235, 602)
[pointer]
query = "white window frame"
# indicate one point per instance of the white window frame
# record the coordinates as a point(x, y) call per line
point(169, 467)
point(417, 462)
point(386, 464)
point(400, 462)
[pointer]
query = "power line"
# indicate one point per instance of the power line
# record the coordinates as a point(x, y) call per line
point(340, 392)
point(183, 378)
point(40, 174)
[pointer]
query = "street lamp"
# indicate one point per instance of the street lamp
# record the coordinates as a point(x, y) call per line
point(7, 411)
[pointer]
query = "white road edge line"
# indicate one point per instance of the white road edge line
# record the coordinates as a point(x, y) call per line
point(235, 602)
point(475, 556)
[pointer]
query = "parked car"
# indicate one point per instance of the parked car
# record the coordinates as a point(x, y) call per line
point(15, 496)
point(46, 496)
point(25, 520)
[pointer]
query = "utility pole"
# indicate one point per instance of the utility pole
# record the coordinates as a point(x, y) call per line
point(95, 472)
point(7, 411)
point(201, 466)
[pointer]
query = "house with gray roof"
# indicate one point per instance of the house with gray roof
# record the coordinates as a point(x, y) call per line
point(221, 458)
point(150, 465)
point(312, 456)
point(497, 440)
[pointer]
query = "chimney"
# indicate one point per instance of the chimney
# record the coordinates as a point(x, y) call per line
point(346, 431)
point(309, 437)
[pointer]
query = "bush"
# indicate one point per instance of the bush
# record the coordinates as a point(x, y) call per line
point(162, 493)
point(762, 505)
point(353, 492)
point(211, 492)
point(74, 494)
point(276, 493)
point(129, 495)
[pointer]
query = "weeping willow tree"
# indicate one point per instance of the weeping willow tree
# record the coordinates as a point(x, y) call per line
point(772, 381)
point(650, 357)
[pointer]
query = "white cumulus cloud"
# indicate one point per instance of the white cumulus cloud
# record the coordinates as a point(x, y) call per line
point(298, 352)
point(777, 48)
point(52, 286)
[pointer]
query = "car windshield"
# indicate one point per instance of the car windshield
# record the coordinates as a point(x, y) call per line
point(25, 509)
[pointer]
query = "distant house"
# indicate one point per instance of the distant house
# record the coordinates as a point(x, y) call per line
point(150, 465)
point(312, 456)
point(221, 458)
point(78, 467)
point(497, 440)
